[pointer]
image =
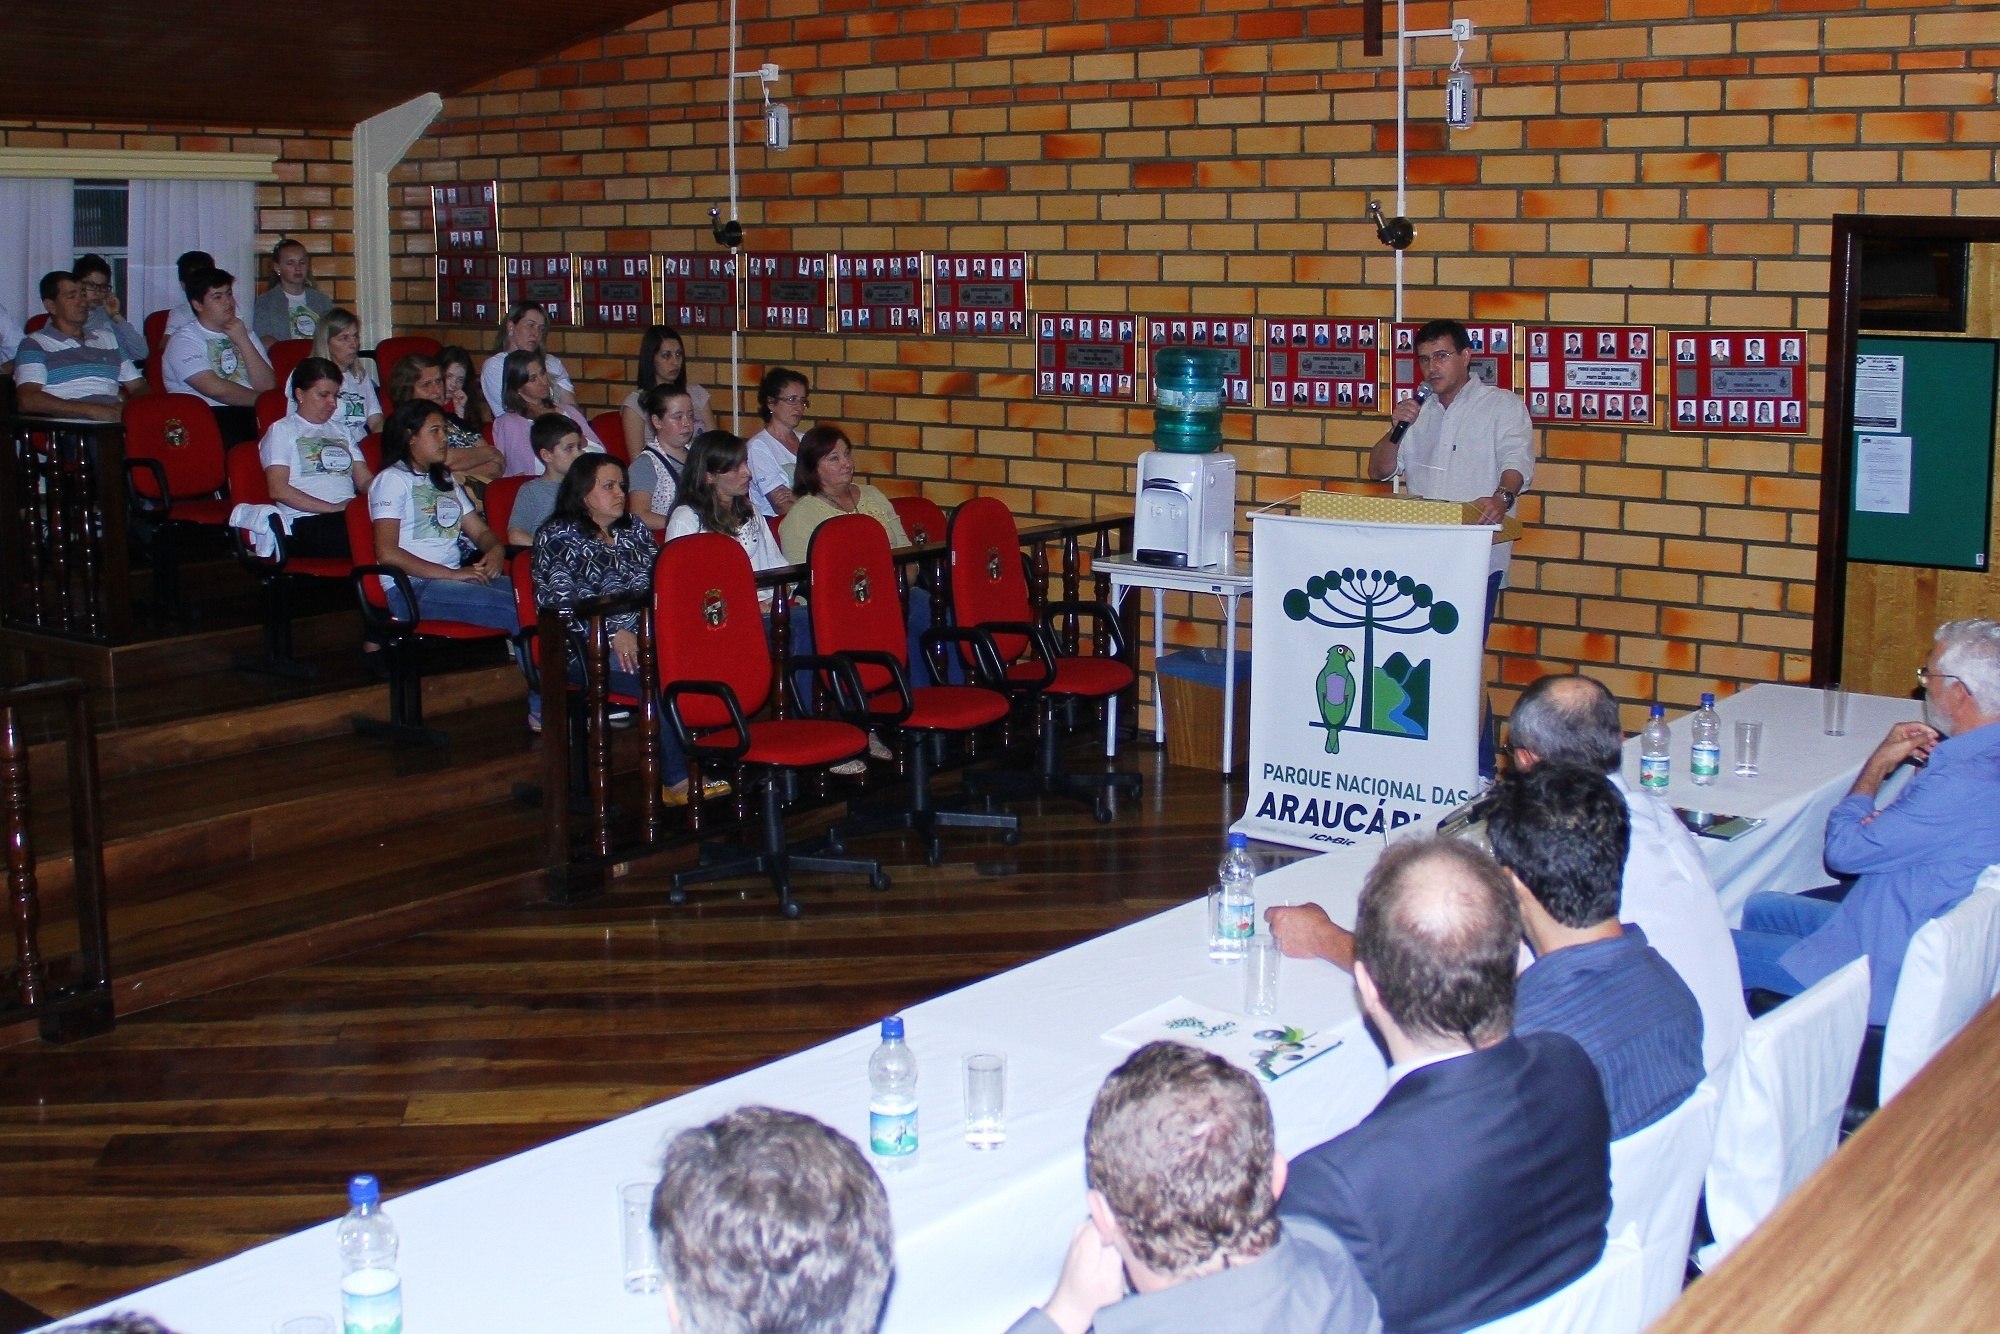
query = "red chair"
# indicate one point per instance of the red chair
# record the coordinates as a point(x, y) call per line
point(989, 594)
point(285, 356)
point(857, 616)
point(610, 430)
point(716, 670)
point(247, 486)
point(371, 451)
point(272, 405)
point(500, 502)
point(176, 477)
point(923, 520)
point(392, 350)
point(35, 322)
point(155, 329)
point(398, 635)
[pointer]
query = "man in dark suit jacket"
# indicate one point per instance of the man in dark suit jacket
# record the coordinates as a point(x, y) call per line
point(1481, 1182)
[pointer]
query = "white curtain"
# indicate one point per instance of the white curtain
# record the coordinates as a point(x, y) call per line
point(170, 217)
point(37, 234)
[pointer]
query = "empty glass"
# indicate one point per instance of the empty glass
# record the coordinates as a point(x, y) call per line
point(642, 1253)
point(986, 1100)
point(1749, 740)
point(1833, 709)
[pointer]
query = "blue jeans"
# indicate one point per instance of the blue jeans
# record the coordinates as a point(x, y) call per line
point(673, 761)
point(475, 604)
point(1772, 924)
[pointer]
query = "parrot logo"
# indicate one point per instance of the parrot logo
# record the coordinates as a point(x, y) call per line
point(1336, 693)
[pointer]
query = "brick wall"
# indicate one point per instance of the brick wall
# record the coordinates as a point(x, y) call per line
point(1668, 162)
point(312, 198)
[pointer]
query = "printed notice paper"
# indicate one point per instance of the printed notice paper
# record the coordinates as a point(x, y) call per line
point(1261, 1044)
point(1878, 393)
point(1882, 474)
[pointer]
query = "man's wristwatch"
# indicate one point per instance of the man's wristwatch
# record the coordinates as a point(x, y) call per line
point(1508, 496)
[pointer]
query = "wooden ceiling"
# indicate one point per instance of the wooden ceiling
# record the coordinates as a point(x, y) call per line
point(261, 63)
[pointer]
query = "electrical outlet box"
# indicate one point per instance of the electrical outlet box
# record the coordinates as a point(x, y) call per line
point(777, 126)
point(1461, 30)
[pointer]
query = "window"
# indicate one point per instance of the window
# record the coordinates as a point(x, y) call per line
point(103, 226)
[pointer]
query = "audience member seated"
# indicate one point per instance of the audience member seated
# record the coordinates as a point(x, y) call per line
point(338, 340)
point(291, 307)
point(426, 527)
point(768, 1220)
point(525, 326)
point(590, 548)
point(10, 339)
point(1913, 859)
point(217, 357)
point(94, 272)
point(65, 370)
point(118, 1322)
point(528, 397)
point(1665, 889)
point(462, 398)
point(656, 469)
point(1481, 1182)
point(1560, 831)
point(556, 443)
point(471, 460)
point(187, 266)
point(662, 361)
point(311, 465)
point(782, 398)
point(1184, 1181)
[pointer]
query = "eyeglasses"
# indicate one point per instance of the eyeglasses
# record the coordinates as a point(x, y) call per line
point(1925, 676)
point(1436, 358)
point(796, 400)
point(95, 287)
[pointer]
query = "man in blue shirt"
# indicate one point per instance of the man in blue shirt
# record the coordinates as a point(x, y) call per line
point(1560, 831)
point(1912, 860)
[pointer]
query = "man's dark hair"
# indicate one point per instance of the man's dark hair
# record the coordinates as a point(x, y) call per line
point(1439, 933)
point(89, 264)
point(201, 282)
point(1180, 1146)
point(1563, 829)
point(192, 262)
point(549, 429)
point(1569, 720)
point(53, 280)
point(1437, 329)
point(769, 1221)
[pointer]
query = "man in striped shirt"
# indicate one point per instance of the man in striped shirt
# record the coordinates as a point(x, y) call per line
point(62, 371)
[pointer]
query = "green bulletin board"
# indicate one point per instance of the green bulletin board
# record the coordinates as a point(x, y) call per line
point(1921, 491)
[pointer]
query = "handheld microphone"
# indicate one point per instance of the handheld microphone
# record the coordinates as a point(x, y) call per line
point(1396, 431)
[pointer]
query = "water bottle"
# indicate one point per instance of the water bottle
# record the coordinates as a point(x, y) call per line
point(892, 1094)
point(1236, 911)
point(371, 1296)
point(1706, 761)
point(1655, 761)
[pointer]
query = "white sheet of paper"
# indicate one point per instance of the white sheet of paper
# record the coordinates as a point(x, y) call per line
point(1878, 393)
point(1268, 1047)
point(1882, 475)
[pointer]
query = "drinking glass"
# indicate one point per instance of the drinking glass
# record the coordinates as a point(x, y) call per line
point(986, 1100)
point(1749, 739)
point(1833, 709)
point(642, 1253)
point(1260, 975)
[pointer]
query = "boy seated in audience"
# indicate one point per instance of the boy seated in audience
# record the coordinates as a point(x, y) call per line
point(1184, 1181)
point(291, 306)
point(94, 273)
point(768, 1220)
point(556, 442)
point(63, 371)
point(217, 357)
point(1560, 831)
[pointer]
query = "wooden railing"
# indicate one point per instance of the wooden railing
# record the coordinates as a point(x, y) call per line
point(64, 567)
point(80, 1007)
point(579, 840)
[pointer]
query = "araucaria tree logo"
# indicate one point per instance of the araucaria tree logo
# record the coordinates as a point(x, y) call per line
point(1395, 697)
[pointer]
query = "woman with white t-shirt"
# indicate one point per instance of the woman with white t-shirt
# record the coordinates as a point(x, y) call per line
point(662, 361)
point(311, 466)
point(338, 340)
point(782, 398)
point(426, 527)
point(523, 331)
point(656, 469)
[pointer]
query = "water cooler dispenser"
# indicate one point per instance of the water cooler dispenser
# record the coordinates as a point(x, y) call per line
point(1185, 515)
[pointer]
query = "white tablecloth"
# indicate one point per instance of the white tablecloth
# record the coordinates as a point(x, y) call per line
point(1804, 774)
point(530, 1244)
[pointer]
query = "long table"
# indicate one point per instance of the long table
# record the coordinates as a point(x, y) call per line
point(531, 1244)
point(1804, 774)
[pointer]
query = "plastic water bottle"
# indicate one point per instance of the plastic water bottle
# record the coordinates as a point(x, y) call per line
point(892, 1094)
point(1706, 761)
point(1236, 914)
point(371, 1296)
point(1655, 759)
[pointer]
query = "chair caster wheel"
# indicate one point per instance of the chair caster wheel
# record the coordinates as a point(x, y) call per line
point(791, 911)
point(934, 855)
point(1011, 838)
point(677, 897)
point(880, 880)
point(1103, 813)
point(835, 844)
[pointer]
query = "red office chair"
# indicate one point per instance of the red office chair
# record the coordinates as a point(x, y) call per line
point(285, 356)
point(610, 430)
point(716, 670)
point(500, 498)
point(371, 451)
point(247, 486)
point(989, 594)
point(392, 350)
point(272, 405)
point(923, 520)
point(36, 322)
point(398, 635)
point(155, 330)
point(857, 616)
point(176, 477)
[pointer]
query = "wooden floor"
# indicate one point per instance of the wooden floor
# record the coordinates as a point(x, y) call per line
point(209, 1124)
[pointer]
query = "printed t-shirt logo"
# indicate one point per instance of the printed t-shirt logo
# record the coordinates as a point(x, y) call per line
point(224, 360)
point(325, 455)
point(304, 322)
point(438, 512)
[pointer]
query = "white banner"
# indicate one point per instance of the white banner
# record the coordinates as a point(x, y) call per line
point(1368, 647)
